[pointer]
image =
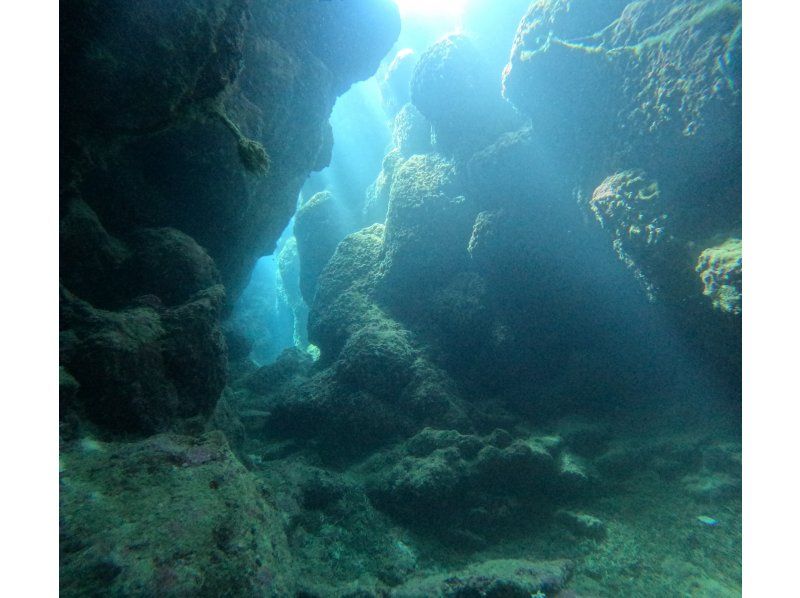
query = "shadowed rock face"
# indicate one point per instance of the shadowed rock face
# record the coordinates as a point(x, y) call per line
point(319, 225)
point(187, 131)
point(170, 515)
point(628, 92)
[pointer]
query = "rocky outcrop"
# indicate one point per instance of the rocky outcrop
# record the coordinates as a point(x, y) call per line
point(147, 368)
point(641, 104)
point(506, 577)
point(167, 516)
point(475, 486)
point(187, 132)
point(427, 227)
point(454, 89)
point(319, 225)
point(233, 79)
point(720, 269)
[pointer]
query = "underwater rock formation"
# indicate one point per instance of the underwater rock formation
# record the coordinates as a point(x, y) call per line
point(147, 368)
point(427, 226)
point(624, 88)
point(505, 577)
point(171, 516)
point(453, 88)
point(187, 132)
point(169, 264)
point(418, 424)
point(720, 269)
point(471, 485)
point(629, 206)
point(318, 227)
point(411, 132)
point(268, 72)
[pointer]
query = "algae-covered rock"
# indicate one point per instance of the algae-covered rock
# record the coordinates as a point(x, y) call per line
point(720, 269)
point(651, 92)
point(511, 171)
point(427, 227)
point(678, 62)
point(411, 132)
point(470, 484)
point(237, 121)
point(454, 89)
point(146, 368)
point(342, 304)
point(376, 202)
point(169, 264)
point(167, 516)
point(378, 359)
point(91, 252)
point(504, 578)
point(319, 226)
point(629, 206)
point(153, 62)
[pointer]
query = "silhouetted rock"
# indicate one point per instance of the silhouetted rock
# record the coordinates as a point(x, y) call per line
point(147, 368)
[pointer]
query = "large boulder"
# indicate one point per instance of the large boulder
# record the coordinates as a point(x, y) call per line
point(167, 516)
point(169, 264)
point(147, 368)
point(454, 89)
point(427, 227)
point(342, 304)
point(319, 225)
point(502, 578)
point(474, 486)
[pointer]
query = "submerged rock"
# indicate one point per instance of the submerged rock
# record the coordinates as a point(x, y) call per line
point(506, 578)
point(171, 516)
point(654, 87)
point(319, 225)
point(427, 227)
point(454, 89)
point(148, 368)
point(720, 269)
point(471, 484)
point(169, 264)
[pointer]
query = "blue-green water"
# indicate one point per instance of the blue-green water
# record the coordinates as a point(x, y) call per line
point(437, 300)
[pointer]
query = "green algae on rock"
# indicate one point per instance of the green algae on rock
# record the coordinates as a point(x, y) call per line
point(505, 577)
point(168, 516)
point(720, 269)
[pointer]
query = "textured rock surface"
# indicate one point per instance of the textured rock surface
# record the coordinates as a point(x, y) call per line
point(720, 269)
point(494, 579)
point(471, 485)
point(454, 89)
point(629, 88)
point(169, 516)
point(147, 368)
point(274, 72)
point(427, 227)
point(319, 225)
point(187, 132)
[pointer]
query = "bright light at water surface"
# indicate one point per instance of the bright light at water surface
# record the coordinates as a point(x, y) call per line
point(431, 7)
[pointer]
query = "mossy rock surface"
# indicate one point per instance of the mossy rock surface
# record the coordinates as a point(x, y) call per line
point(167, 516)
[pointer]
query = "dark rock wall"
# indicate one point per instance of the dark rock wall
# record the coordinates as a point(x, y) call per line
point(187, 130)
